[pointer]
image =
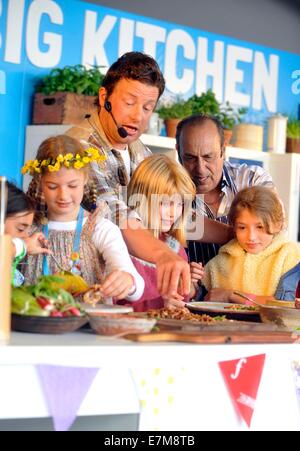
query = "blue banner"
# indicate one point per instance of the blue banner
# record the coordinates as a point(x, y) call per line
point(38, 35)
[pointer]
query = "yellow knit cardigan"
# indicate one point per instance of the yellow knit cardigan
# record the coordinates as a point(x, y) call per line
point(235, 269)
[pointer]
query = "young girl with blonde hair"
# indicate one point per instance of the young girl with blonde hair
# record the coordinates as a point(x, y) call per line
point(161, 192)
point(260, 261)
point(84, 243)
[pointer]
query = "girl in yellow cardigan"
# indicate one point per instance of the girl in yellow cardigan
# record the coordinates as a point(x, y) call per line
point(260, 261)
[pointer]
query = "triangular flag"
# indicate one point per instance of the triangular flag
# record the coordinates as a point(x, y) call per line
point(64, 390)
point(242, 377)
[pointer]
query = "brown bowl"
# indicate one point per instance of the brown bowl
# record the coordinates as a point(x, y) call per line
point(118, 324)
point(46, 325)
point(284, 317)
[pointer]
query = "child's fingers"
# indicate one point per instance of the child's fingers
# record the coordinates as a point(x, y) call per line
point(117, 282)
point(196, 265)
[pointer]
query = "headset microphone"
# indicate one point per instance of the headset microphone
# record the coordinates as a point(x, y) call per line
point(121, 130)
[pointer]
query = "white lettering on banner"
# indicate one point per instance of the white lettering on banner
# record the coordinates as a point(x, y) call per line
point(94, 39)
point(126, 36)
point(14, 31)
point(238, 368)
point(52, 56)
point(265, 82)
point(296, 84)
point(179, 38)
point(152, 34)
point(2, 82)
point(235, 75)
point(206, 68)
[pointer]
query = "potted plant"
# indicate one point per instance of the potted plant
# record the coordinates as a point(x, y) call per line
point(66, 95)
point(229, 117)
point(172, 111)
point(206, 103)
point(293, 136)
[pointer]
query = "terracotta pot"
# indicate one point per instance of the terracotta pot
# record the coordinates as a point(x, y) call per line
point(171, 125)
point(227, 136)
point(293, 145)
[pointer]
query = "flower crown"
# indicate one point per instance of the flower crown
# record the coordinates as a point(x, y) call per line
point(69, 161)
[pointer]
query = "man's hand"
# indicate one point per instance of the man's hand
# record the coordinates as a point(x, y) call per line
point(173, 272)
point(174, 302)
point(173, 275)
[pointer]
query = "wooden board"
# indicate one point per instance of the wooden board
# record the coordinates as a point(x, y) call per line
point(227, 325)
point(214, 337)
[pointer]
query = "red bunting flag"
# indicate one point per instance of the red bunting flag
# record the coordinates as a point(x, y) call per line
point(242, 377)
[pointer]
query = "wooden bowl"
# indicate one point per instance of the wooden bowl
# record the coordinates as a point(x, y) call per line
point(46, 325)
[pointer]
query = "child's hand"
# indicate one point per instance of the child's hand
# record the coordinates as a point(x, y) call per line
point(118, 284)
point(197, 272)
point(219, 295)
point(37, 244)
point(176, 301)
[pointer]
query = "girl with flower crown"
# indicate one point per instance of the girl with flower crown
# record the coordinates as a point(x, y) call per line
point(83, 243)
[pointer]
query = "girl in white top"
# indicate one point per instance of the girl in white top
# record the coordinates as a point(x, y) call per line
point(84, 243)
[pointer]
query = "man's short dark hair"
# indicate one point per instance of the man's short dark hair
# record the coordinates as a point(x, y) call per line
point(199, 120)
point(134, 66)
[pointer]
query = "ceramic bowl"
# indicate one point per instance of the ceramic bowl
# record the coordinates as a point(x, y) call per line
point(46, 325)
point(119, 324)
point(284, 317)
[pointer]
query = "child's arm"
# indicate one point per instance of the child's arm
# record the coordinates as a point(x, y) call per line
point(123, 280)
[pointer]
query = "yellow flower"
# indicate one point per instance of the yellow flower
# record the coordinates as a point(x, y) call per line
point(86, 160)
point(44, 163)
point(60, 158)
point(68, 157)
point(51, 168)
point(78, 165)
point(67, 164)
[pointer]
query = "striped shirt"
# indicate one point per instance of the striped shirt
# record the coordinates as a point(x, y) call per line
point(235, 177)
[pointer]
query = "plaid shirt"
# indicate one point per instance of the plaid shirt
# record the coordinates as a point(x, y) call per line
point(235, 178)
point(110, 176)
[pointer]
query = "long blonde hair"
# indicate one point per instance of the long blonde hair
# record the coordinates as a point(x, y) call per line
point(155, 177)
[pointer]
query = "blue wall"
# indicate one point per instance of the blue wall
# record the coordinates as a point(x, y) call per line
point(37, 35)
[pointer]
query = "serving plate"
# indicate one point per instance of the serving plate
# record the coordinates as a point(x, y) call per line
point(224, 309)
point(46, 324)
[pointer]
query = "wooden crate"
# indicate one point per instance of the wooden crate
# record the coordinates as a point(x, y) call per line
point(62, 108)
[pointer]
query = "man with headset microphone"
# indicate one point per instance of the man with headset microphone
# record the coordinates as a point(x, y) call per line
point(127, 98)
